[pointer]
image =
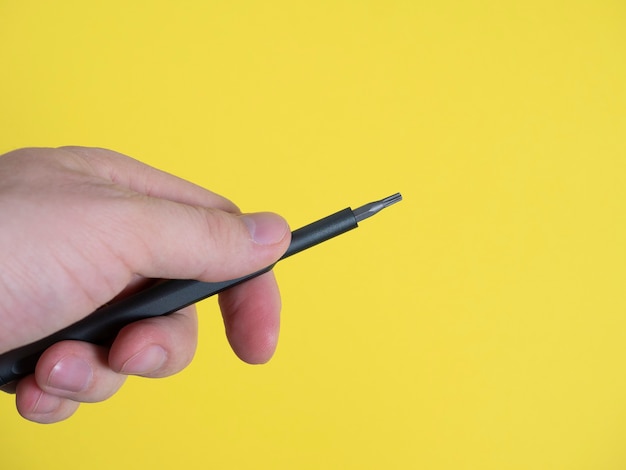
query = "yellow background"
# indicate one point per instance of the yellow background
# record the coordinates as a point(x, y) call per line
point(479, 324)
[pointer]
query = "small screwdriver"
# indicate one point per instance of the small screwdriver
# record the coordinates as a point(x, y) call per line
point(170, 295)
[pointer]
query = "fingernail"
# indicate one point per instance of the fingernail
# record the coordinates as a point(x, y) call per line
point(147, 360)
point(46, 404)
point(265, 228)
point(71, 374)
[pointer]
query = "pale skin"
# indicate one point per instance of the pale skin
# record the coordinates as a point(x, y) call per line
point(82, 226)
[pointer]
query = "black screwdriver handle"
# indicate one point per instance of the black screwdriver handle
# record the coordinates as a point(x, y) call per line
point(162, 298)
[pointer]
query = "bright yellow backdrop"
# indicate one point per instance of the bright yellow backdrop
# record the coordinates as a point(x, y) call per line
point(479, 324)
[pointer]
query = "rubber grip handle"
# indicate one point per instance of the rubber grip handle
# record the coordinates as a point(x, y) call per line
point(162, 298)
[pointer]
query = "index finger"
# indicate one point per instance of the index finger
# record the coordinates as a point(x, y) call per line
point(144, 179)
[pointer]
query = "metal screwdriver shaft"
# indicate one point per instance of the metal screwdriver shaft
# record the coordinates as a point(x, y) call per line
point(372, 208)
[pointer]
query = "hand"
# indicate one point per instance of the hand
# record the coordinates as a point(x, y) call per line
point(82, 226)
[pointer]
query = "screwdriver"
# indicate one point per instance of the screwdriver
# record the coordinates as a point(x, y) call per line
point(170, 295)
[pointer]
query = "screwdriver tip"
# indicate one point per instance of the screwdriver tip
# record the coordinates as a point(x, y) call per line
point(372, 208)
point(392, 199)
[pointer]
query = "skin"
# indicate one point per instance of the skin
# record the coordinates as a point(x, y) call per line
point(90, 225)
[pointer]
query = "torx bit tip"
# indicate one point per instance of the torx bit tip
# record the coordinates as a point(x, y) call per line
point(372, 208)
point(392, 199)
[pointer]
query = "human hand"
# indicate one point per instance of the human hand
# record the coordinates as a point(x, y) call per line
point(83, 226)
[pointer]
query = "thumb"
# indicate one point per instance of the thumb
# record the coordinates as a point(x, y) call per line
point(178, 241)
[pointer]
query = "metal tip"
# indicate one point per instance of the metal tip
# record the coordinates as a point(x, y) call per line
point(392, 199)
point(372, 208)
